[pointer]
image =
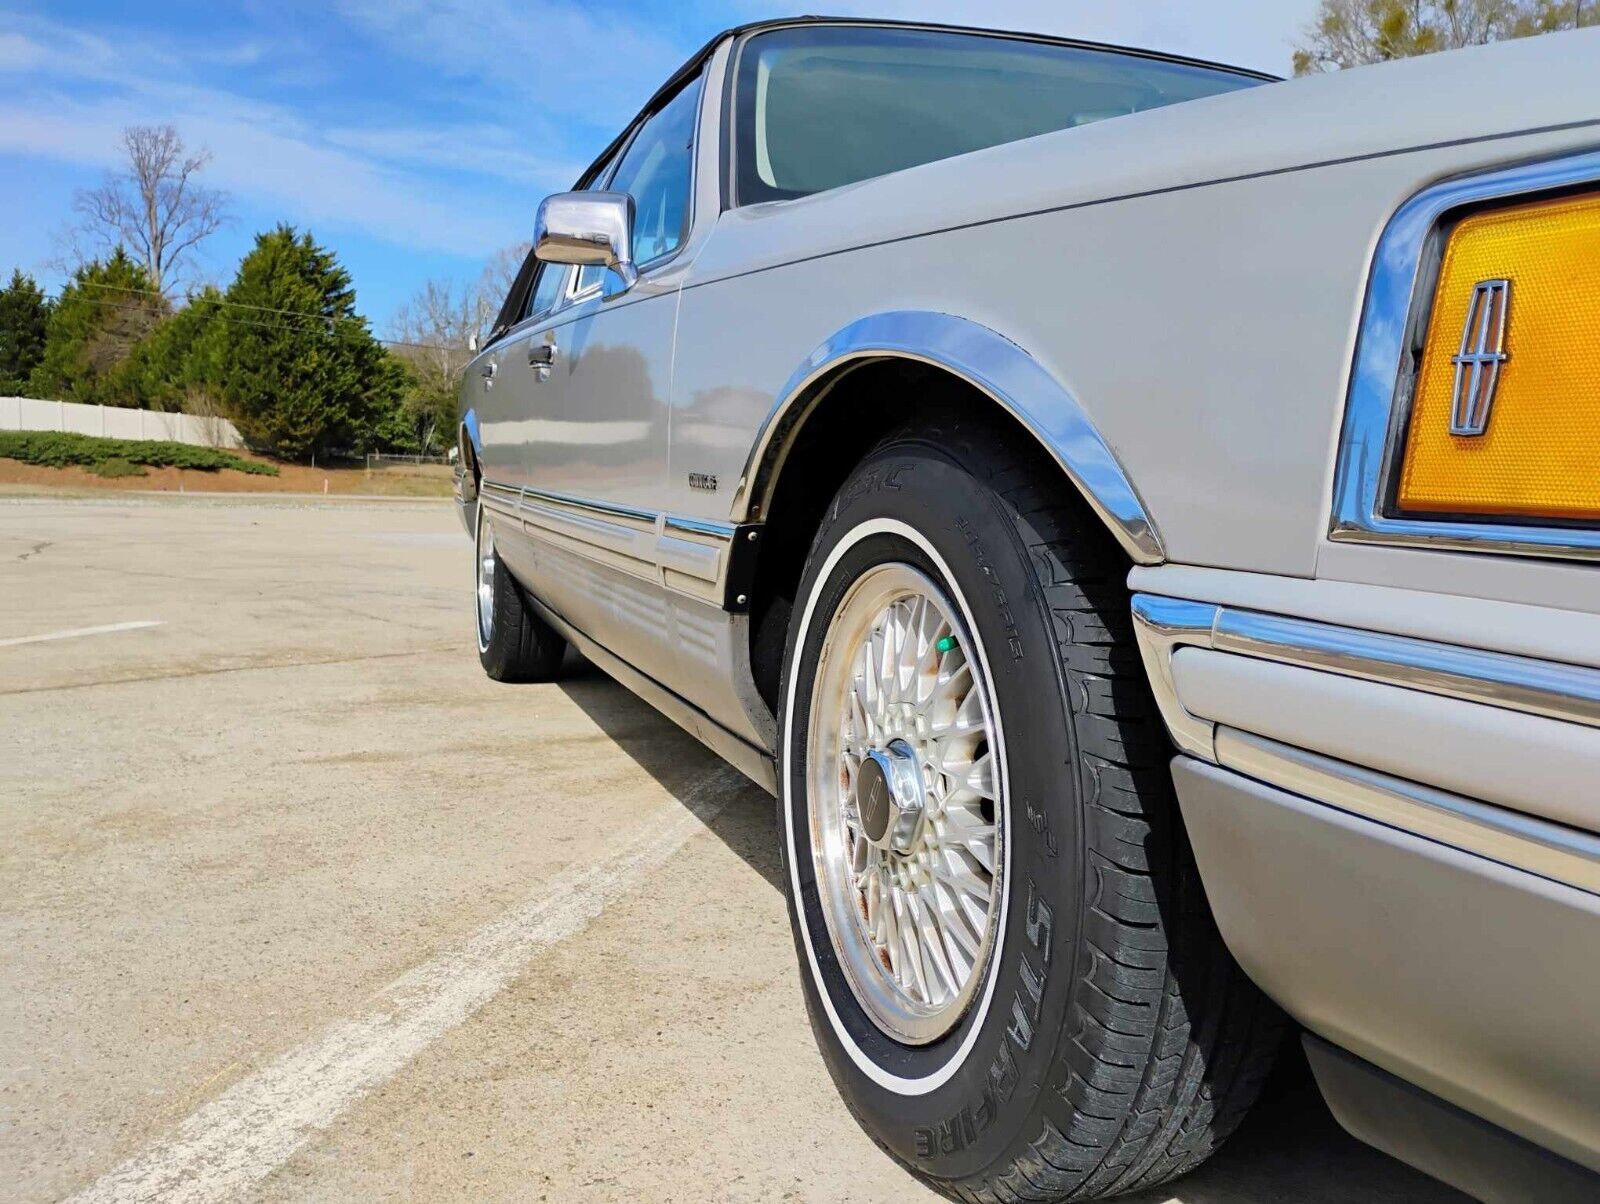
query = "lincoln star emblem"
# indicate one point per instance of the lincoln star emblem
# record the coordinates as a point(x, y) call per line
point(1483, 350)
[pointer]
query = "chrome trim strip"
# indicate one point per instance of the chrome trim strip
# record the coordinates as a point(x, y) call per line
point(500, 499)
point(1378, 406)
point(655, 541)
point(504, 492)
point(594, 506)
point(1518, 683)
point(1552, 851)
point(686, 556)
point(986, 360)
point(589, 527)
point(700, 526)
point(1161, 625)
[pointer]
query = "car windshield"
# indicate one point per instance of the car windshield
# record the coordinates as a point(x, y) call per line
point(826, 105)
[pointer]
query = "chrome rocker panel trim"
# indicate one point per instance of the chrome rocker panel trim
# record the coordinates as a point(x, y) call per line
point(691, 556)
point(989, 362)
point(755, 763)
point(1378, 406)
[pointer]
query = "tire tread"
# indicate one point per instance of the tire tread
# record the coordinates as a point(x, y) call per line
point(1149, 1091)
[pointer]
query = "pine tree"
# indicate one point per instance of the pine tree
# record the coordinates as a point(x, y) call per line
point(296, 368)
point(166, 366)
point(24, 319)
point(106, 308)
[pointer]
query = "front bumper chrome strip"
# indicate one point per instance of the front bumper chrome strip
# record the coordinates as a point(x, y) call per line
point(1518, 683)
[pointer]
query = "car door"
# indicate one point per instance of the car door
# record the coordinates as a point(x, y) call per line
point(592, 384)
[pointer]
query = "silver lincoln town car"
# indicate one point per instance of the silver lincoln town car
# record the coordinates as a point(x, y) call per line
point(1142, 521)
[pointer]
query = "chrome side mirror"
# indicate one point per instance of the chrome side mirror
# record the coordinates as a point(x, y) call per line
point(588, 229)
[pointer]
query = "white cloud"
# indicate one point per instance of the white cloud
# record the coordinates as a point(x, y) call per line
point(310, 183)
point(560, 57)
point(478, 149)
point(18, 53)
point(73, 105)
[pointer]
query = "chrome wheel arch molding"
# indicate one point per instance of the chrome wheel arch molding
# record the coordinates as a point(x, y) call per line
point(991, 363)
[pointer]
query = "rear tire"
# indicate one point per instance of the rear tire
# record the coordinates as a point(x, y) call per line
point(514, 643)
point(1111, 1043)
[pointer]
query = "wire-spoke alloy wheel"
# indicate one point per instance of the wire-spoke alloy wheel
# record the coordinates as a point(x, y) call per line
point(1006, 953)
point(905, 831)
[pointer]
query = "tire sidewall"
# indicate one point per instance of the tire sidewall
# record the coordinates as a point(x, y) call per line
point(484, 644)
point(957, 1105)
point(501, 652)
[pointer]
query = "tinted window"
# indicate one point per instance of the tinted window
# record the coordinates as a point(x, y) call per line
point(823, 106)
point(656, 170)
point(591, 277)
point(546, 289)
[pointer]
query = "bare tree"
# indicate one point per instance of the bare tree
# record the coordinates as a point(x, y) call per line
point(155, 207)
point(203, 404)
point(495, 281)
point(435, 328)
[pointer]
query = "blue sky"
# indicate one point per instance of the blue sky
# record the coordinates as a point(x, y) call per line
point(416, 136)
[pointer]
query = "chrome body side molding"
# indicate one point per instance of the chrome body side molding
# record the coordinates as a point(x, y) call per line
point(989, 362)
point(1518, 683)
point(1162, 625)
point(694, 557)
point(1507, 830)
point(1379, 404)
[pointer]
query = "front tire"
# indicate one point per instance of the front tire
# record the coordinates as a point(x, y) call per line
point(1101, 1038)
point(514, 643)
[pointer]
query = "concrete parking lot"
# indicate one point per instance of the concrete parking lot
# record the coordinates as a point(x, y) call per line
point(297, 905)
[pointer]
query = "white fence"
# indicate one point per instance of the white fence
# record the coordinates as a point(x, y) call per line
point(31, 414)
point(380, 459)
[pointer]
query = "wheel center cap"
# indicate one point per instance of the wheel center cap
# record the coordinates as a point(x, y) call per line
point(889, 797)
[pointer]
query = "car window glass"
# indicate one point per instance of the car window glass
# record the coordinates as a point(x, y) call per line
point(546, 289)
point(590, 277)
point(656, 172)
point(822, 106)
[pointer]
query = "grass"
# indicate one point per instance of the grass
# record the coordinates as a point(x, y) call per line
point(119, 457)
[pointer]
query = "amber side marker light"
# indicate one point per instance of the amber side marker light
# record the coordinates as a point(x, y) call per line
point(1505, 420)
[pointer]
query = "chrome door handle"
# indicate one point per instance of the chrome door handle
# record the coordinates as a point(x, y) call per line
point(541, 355)
point(488, 370)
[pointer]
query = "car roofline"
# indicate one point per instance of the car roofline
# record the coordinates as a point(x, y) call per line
point(697, 61)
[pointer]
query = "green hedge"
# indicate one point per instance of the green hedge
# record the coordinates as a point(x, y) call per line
point(57, 449)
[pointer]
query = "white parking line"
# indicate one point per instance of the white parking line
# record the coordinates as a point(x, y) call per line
point(255, 1126)
point(75, 632)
